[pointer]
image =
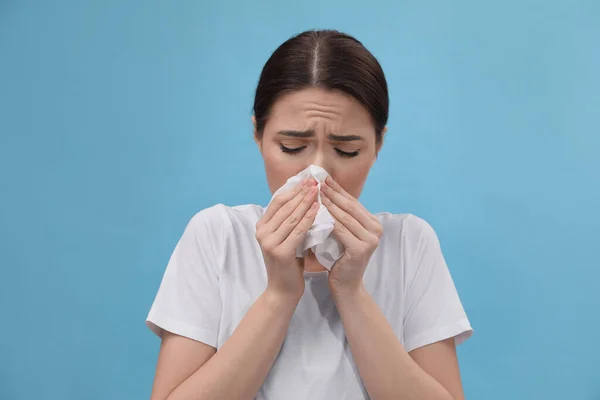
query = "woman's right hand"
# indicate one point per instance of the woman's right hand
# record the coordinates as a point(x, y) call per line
point(280, 231)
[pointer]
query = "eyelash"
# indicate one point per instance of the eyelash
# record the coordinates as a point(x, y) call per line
point(346, 154)
point(299, 149)
point(290, 150)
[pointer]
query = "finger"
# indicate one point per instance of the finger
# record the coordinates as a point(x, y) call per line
point(347, 220)
point(344, 236)
point(329, 182)
point(350, 206)
point(285, 211)
point(337, 187)
point(297, 235)
point(280, 200)
point(288, 225)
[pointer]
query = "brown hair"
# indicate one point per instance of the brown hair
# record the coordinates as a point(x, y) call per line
point(327, 59)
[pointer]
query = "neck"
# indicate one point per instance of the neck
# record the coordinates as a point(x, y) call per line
point(311, 264)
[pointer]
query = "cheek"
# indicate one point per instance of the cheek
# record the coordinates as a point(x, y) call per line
point(353, 179)
point(279, 167)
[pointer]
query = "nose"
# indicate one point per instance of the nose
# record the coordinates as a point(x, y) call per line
point(320, 160)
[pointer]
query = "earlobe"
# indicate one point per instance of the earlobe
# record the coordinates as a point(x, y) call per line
point(258, 143)
point(383, 132)
point(255, 134)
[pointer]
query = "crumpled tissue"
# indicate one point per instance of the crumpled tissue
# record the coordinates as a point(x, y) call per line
point(319, 238)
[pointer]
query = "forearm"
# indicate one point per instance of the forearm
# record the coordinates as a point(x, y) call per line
point(238, 369)
point(385, 367)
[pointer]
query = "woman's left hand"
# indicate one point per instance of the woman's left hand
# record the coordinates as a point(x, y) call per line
point(357, 230)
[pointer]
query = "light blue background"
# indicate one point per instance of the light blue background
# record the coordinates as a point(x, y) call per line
point(121, 119)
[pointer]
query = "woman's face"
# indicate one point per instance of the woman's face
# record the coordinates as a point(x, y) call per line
point(326, 128)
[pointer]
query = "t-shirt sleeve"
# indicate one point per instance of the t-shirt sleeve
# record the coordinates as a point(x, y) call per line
point(188, 301)
point(433, 310)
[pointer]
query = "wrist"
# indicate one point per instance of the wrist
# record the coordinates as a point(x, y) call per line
point(280, 302)
point(339, 291)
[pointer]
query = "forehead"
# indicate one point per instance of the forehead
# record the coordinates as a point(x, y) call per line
point(314, 103)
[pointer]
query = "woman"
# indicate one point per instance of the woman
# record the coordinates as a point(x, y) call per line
point(241, 317)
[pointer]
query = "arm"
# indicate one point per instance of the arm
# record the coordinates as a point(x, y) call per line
point(387, 370)
point(188, 369)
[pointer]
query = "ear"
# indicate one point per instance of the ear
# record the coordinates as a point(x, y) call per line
point(255, 133)
point(383, 132)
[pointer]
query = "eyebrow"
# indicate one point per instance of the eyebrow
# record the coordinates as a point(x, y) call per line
point(311, 133)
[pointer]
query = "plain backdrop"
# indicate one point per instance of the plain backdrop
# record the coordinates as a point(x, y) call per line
point(119, 120)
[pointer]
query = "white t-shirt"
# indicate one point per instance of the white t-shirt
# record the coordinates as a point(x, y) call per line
point(217, 271)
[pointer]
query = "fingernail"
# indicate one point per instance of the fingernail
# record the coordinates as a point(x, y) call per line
point(328, 180)
point(314, 206)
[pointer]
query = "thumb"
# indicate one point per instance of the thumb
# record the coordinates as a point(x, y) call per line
point(300, 263)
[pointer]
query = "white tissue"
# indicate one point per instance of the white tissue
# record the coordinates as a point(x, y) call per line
point(319, 238)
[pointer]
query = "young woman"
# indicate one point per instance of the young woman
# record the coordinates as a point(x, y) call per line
point(241, 317)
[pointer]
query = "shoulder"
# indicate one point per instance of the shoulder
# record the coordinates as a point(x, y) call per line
point(406, 226)
point(213, 219)
point(407, 237)
point(220, 219)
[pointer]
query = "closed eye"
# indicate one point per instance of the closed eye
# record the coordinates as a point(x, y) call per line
point(291, 150)
point(346, 154)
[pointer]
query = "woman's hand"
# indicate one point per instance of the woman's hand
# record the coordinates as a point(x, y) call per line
point(357, 230)
point(280, 231)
